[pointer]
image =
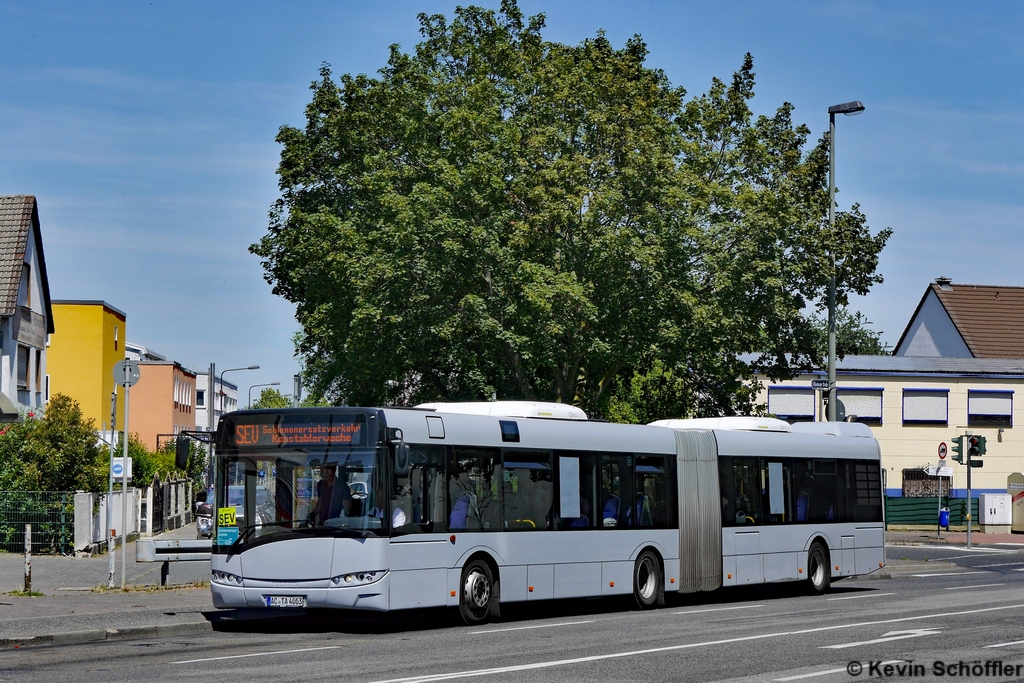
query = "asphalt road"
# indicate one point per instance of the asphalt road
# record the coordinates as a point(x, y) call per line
point(971, 614)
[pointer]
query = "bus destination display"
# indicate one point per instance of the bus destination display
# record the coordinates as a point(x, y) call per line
point(306, 434)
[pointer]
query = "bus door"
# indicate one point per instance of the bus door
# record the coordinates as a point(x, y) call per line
point(419, 544)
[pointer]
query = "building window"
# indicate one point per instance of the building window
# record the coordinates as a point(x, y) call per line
point(926, 406)
point(793, 404)
point(39, 374)
point(986, 408)
point(23, 366)
point(115, 337)
point(200, 397)
point(862, 405)
point(47, 394)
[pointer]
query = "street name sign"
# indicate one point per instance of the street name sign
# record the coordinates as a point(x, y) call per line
point(821, 384)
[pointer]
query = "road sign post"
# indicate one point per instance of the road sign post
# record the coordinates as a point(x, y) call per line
point(942, 463)
point(126, 373)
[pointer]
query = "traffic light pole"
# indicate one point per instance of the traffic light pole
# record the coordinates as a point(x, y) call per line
point(967, 459)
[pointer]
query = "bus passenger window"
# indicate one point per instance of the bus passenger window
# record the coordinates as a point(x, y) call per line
point(577, 483)
point(527, 490)
point(617, 491)
point(776, 489)
point(825, 498)
point(474, 496)
point(652, 508)
point(746, 490)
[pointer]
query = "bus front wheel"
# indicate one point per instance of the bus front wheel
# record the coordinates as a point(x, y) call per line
point(648, 588)
point(477, 592)
point(818, 574)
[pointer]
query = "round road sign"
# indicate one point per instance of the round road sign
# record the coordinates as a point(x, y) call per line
point(118, 469)
point(126, 373)
point(942, 451)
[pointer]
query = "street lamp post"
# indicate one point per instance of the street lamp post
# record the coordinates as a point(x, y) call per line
point(270, 384)
point(849, 109)
point(221, 381)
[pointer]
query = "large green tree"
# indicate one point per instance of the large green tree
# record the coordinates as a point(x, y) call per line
point(495, 213)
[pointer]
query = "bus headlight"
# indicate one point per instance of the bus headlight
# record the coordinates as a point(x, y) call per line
point(226, 578)
point(358, 578)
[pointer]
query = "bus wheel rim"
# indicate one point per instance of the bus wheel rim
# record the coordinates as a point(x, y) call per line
point(645, 579)
point(478, 592)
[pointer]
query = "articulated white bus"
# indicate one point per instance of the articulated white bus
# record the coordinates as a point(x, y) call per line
point(477, 505)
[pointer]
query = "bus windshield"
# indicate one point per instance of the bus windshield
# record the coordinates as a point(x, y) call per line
point(270, 496)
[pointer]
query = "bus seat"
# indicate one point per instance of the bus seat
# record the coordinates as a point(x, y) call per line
point(802, 502)
point(611, 508)
point(580, 523)
point(460, 511)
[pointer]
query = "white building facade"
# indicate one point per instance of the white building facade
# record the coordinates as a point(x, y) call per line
point(224, 400)
point(26, 317)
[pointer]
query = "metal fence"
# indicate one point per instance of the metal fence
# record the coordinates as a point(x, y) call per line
point(925, 511)
point(51, 514)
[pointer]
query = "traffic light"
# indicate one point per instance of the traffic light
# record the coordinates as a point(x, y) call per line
point(957, 447)
point(975, 446)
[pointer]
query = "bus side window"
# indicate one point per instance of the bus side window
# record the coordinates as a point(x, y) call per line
point(746, 491)
point(528, 484)
point(652, 508)
point(825, 497)
point(776, 491)
point(577, 484)
point(616, 497)
point(474, 492)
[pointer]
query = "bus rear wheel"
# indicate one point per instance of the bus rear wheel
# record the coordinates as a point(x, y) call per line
point(648, 588)
point(818, 575)
point(477, 592)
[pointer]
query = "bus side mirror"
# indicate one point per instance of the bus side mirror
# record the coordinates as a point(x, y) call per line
point(401, 460)
point(181, 451)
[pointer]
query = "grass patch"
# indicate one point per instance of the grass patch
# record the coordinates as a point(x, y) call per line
point(26, 594)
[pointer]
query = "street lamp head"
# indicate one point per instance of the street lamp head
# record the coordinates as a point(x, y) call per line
point(847, 108)
point(256, 367)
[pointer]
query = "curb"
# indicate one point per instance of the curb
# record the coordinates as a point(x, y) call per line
point(98, 634)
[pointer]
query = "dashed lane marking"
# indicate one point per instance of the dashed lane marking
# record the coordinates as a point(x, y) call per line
point(1012, 642)
point(523, 628)
point(982, 585)
point(717, 609)
point(257, 654)
point(867, 595)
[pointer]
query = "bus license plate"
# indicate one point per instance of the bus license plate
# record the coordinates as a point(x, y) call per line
point(285, 600)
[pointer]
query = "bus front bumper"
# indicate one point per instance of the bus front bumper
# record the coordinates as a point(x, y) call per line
point(371, 596)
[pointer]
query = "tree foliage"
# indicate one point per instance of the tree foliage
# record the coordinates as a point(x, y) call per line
point(271, 398)
point(495, 213)
point(56, 452)
point(854, 335)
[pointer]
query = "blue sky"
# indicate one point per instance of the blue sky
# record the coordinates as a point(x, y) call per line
point(146, 130)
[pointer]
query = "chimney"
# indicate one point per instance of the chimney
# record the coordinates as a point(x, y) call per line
point(944, 283)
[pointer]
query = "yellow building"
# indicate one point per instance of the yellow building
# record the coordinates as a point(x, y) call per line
point(88, 343)
point(914, 405)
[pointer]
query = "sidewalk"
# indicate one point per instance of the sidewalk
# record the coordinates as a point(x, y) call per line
point(1007, 541)
point(71, 611)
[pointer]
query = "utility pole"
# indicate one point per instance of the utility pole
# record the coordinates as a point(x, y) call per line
point(211, 406)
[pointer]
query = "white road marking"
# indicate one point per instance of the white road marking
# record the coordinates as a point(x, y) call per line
point(983, 585)
point(886, 637)
point(812, 675)
point(429, 678)
point(866, 595)
point(257, 654)
point(925, 576)
point(1018, 570)
point(831, 671)
point(955, 549)
point(1013, 642)
point(1000, 564)
point(523, 628)
point(1007, 543)
point(717, 609)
